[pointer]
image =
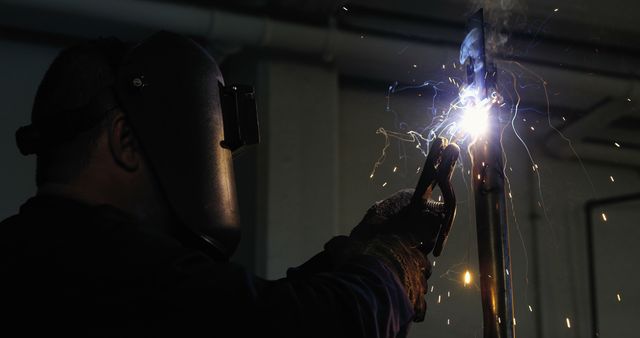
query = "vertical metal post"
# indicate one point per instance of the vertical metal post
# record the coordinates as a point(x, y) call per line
point(491, 218)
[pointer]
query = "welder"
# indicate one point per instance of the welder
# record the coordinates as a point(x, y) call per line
point(135, 215)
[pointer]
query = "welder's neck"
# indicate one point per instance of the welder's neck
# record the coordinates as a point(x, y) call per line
point(142, 213)
point(85, 196)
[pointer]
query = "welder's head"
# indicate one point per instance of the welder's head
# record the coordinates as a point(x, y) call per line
point(73, 103)
point(172, 94)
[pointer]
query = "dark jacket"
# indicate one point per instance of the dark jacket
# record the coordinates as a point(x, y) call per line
point(76, 270)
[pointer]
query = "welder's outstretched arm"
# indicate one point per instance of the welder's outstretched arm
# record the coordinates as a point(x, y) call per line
point(372, 283)
point(369, 284)
point(361, 297)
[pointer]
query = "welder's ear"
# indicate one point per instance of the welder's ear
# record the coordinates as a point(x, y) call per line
point(123, 144)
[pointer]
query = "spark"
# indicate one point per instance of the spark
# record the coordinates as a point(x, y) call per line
point(619, 298)
point(383, 155)
point(499, 320)
point(530, 308)
point(532, 128)
point(448, 321)
point(548, 113)
point(439, 298)
point(611, 178)
point(629, 99)
point(514, 321)
point(443, 66)
point(568, 322)
point(507, 271)
point(345, 8)
point(448, 294)
point(395, 169)
point(431, 288)
point(563, 118)
point(557, 9)
point(415, 65)
point(434, 263)
point(616, 144)
point(604, 217)
point(371, 176)
point(467, 278)
point(418, 170)
point(510, 195)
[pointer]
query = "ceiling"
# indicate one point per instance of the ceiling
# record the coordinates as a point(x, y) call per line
point(614, 21)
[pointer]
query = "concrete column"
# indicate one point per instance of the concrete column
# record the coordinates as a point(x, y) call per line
point(298, 164)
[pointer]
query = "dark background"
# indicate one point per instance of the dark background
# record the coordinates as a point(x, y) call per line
point(321, 70)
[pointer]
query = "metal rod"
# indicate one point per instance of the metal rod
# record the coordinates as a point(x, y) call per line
point(491, 217)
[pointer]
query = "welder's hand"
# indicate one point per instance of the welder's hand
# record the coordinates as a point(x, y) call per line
point(392, 232)
point(408, 225)
point(393, 215)
point(412, 214)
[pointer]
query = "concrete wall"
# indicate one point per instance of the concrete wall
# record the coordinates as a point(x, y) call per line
point(301, 170)
point(562, 252)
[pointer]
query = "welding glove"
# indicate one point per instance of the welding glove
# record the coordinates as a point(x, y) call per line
point(400, 235)
point(405, 227)
point(395, 216)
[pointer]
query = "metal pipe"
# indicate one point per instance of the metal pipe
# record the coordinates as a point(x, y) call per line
point(491, 217)
point(141, 17)
point(493, 234)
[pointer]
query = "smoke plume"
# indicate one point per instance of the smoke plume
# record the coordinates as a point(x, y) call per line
point(501, 17)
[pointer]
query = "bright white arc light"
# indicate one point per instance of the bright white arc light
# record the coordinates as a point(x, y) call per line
point(475, 119)
point(475, 113)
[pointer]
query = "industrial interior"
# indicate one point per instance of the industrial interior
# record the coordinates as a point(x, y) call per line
point(343, 88)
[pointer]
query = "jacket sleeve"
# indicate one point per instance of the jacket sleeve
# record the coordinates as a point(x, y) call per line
point(361, 297)
point(357, 297)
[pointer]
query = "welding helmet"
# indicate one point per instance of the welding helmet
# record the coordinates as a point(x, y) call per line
point(188, 124)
